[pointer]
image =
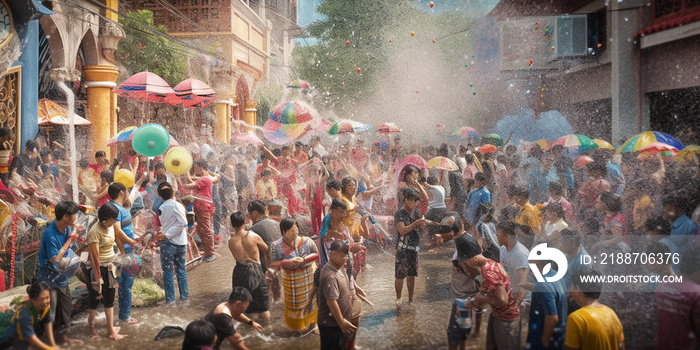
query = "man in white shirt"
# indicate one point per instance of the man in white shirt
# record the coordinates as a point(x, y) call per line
point(513, 255)
point(173, 243)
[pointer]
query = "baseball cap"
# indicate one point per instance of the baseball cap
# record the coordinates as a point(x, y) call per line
point(467, 247)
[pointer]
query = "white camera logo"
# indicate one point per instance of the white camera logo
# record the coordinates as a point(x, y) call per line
point(542, 252)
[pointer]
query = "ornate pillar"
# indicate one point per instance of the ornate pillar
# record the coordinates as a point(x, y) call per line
point(101, 104)
point(222, 127)
point(250, 112)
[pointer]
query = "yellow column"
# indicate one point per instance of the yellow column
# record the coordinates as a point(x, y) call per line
point(223, 112)
point(101, 104)
point(250, 112)
point(114, 5)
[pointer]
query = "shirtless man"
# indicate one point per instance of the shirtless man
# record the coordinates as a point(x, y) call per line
point(248, 273)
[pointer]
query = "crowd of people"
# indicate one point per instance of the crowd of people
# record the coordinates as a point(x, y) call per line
point(300, 218)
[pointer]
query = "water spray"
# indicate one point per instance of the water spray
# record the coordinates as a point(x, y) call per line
point(70, 98)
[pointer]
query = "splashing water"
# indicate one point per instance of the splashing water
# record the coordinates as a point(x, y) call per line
point(70, 97)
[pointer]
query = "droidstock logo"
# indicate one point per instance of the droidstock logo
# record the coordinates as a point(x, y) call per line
point(542, 253)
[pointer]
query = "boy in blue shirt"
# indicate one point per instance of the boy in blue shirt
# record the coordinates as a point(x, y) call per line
point(55, 243)
point(547, 326)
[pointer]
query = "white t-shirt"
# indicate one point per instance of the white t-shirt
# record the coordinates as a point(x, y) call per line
point(438, 198)
point(555, 226)
point(512, 261)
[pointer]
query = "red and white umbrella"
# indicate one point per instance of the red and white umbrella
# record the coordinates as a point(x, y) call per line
point(192, 93)
point(388, 128)
point(146, 86)
point(247, 138)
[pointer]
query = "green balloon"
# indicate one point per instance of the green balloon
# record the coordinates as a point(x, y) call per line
point(150, 140)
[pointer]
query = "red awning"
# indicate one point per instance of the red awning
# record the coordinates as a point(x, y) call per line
point(671, 23)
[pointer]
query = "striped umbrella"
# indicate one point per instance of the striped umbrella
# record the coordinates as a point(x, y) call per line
point(290, 113)
point(146, 86)
point(638, 142)
point(487, 149)
point(442, 163)
point(123, 136)
point(465, 131)
point(298, 84)
point(544, 144)
point(192, 93)
point(576, 142)
point(603, 144)
point(388, 128)
point(348, 127)
point(658, 148)
point(493, 139)
point(283, 133)
point(690, 153)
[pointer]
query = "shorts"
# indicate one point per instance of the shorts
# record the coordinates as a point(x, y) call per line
point(457, 333)
point(251, 276)
point(332, 338)
point(406, 264)
point(107, 292)
point(503, 335)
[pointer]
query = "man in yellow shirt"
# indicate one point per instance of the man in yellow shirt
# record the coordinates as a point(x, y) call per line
point(529, 214)
point(594, 325)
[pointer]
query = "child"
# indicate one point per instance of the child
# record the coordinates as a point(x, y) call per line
point(26, 321)
point(199, 335)
point(407, 219)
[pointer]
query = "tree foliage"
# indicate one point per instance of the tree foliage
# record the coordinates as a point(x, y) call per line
point(145, 48)
point(376, 32)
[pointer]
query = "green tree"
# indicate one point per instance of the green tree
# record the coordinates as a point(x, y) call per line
point(145, 48)
point(266, 95)
point(376, 32)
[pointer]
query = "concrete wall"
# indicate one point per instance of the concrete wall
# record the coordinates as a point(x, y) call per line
point(675, 65)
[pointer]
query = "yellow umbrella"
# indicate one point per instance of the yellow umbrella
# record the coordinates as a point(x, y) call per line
point(442, 163)
point(690, 153)
point(603, 144)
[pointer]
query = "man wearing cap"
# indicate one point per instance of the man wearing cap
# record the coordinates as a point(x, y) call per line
point(462, 285)
point(335, 300)
point(504, 327)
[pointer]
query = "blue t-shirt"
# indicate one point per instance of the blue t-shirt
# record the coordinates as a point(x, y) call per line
point(616, 178)
point(548, 298)
point(51, 242)
point(27, 322)
point(474, 200)
point(124, 218)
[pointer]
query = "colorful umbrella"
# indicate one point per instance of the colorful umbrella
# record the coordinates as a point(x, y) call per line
point(638, 142)
point(603, 144)
point(298, 84)
point(412, 160)
point(388, 128)
point(493, 139)
point(690, 153)
point(576, 142)
point(123, 136)
point(290, 113)
point(52, 113)
point(487, 149)
point(283, 133)
point(581, 161)
point(442, 163)
point(465, 131)
point(662, 149)
point(247, 138)
point(348, 127)
point(192, 93)
point(146, 86)
point(544, 144)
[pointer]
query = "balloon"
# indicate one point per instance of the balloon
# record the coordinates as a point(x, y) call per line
point(413, 33)
point(359, 70)
point(124, 177)
point(178, 160)
point(431, 4)
point(150, 140)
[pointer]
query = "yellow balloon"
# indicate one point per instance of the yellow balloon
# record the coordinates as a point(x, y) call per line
point(413, 33)
point(124, 177)
point(178, 160)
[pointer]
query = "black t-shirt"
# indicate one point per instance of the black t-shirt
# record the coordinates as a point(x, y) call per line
point(223, 324)
point(412, 238)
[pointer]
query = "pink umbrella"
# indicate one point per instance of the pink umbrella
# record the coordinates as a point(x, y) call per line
point(247, 138)
point(413, 160)
point(192, 93)
point(145, 86)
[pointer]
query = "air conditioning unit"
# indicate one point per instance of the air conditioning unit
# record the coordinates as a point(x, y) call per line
point(571, 36)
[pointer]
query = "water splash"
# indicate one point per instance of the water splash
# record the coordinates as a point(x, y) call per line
point(70, 98)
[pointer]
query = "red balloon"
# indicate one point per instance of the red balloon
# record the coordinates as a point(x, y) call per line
point(347, 43)
point(433, 41)
point(359, 70)
point(431, 4)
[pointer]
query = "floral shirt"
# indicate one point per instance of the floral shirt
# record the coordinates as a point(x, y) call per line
point(493, 276)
